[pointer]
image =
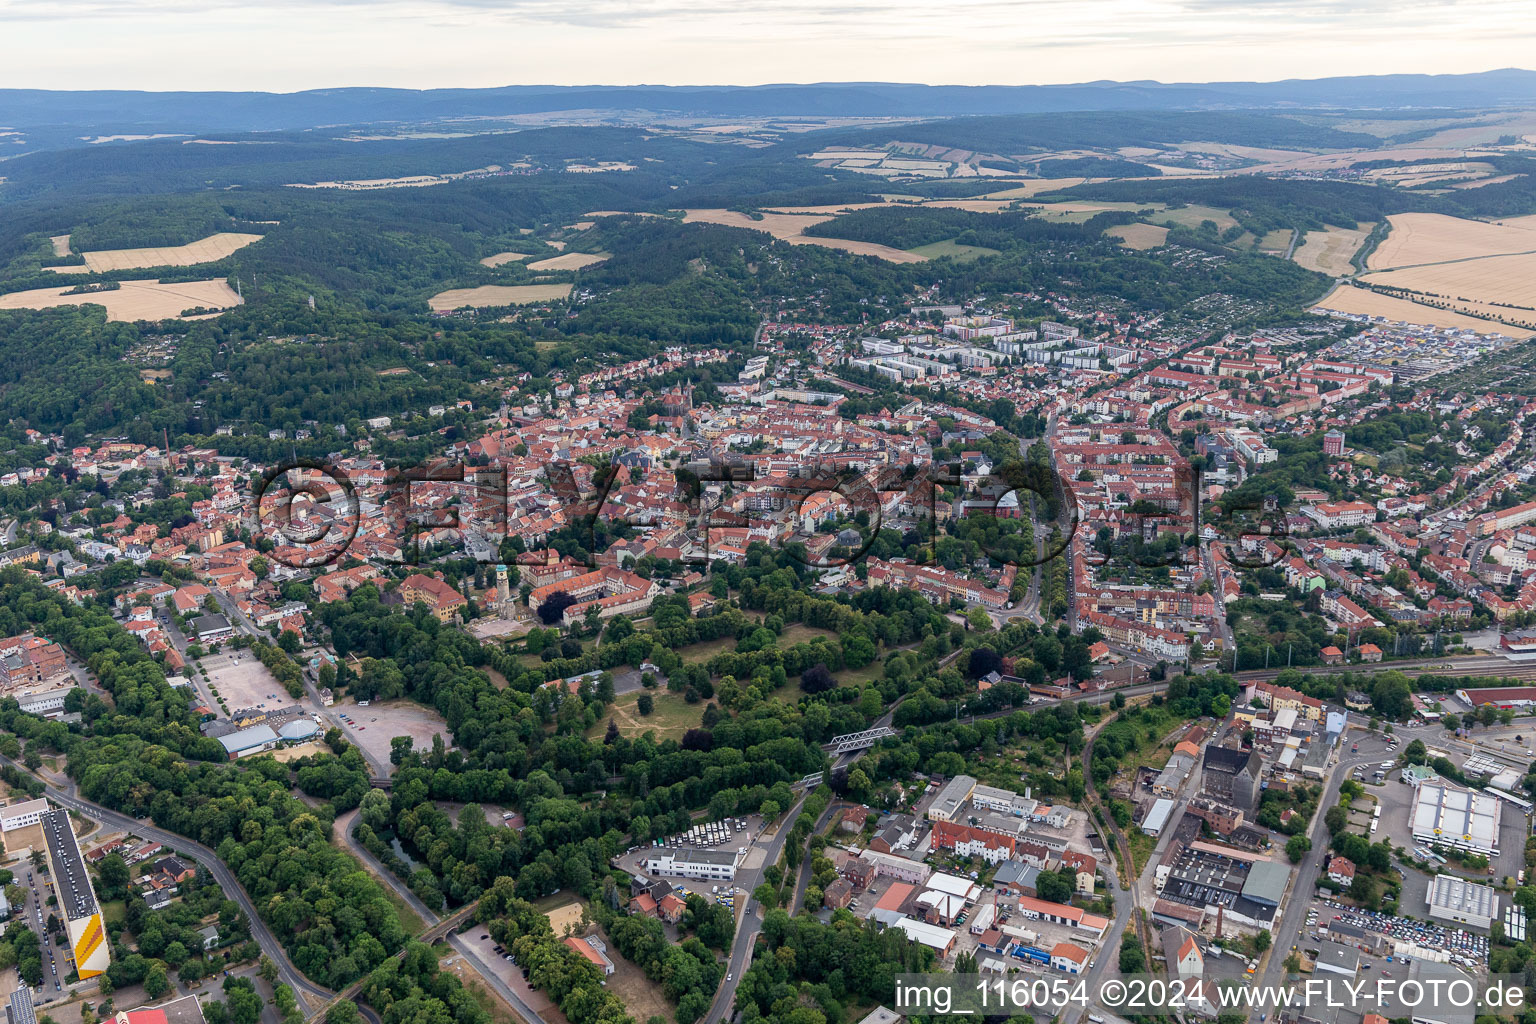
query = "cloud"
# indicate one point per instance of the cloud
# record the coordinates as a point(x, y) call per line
point(294, 44)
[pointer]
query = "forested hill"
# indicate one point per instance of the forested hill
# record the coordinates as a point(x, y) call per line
point(257, 111)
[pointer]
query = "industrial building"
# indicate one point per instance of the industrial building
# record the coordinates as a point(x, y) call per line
point(1456, 899)
point(28, 812)
point(76, 900)
point(20, 1009)
point(712, 865)
point(951, 798)
point(1456, 817)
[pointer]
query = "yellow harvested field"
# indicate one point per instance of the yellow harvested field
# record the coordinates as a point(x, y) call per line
point(817, 211)
point(204, 250)
point(973, 205)
point(505, 257)
point(1480, 182)
point(1510, 280)
point(1418, 238)
point(569, 261)
point(884, 252)
point(60, 245)
point(789, 227)
point(1349, 299)
point(1034, 188)
point(1330, 251)
point(1334, 161)
point(1138, 236)
point(135, 300)
point(782, 226)
point(497, 295)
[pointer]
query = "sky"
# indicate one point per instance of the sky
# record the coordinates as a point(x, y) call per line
point(288, 45)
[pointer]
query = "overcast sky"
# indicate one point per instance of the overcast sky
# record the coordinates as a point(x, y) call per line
point(285, 45)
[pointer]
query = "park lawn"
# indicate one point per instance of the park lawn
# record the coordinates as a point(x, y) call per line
point(859, 676)
point(949, 247)
point(672, 717)
point(699, 652)
point(798, 633)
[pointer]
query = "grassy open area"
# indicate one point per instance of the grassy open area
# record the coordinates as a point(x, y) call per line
point(949, 247)
point(671, 717)
point(114, 911)
point(694, 653)
point(1191, 216)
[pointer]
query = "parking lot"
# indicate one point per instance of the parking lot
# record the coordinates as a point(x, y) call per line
point(487, 959)
point(243, 681)
point(1463, 948)
point(1396, 827)
point(374, 726)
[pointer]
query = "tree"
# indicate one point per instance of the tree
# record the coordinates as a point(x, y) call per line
point(983, 660)
point(552, 610)
point(1296, 848)
point(1336, 820)
point(1261, 942)
point(1133, 958)
point(113, 872)
point(156, 984)
point(817, 679)
point(1052, 887)
point(645, 704)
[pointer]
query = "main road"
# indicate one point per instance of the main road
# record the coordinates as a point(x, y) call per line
point(1287, 928)
point(751, 918)
point(290, 975)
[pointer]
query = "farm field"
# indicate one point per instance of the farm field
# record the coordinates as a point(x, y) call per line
point(505, 257)
point(783, 226)
point(1418, 238)
point(949, 247)
point(1138, 236)
point(497, 295)
point(135, 300)
point(204, 250)
point(788, 227)
point(1274, 241)
point(569, 261)
point(1034, 187)
point(1330, 251)
point(1349, 299)
point(1510, 280)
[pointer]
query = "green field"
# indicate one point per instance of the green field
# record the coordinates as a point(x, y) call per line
point(669, 720)
point(949, 247)
point(1191, 216)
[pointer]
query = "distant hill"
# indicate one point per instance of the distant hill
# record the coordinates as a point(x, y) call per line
point(257, 111)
